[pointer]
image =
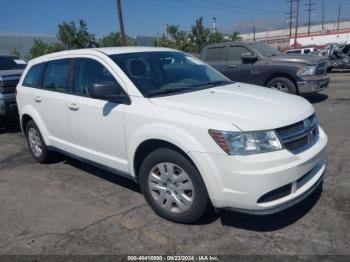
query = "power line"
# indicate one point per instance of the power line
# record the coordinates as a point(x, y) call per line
point(215, 5)
point(309, 10)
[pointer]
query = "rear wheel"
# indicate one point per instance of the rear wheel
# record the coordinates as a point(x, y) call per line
point(283, 84)
point(173, 187)
point(36, 144)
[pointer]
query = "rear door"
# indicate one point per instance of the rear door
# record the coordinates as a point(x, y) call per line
point(97, 125)
point(51, 102)
point(215, 57)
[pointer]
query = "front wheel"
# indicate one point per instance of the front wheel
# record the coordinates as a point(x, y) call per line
point(173, 187)
point(283, 84)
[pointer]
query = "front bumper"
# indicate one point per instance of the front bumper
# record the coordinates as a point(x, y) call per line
point(313, 84)
point(8, 108)
point(239, 182)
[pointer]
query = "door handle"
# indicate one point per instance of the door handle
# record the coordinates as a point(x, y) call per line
point(37, 99)
point(232, 66)
point(73, 107)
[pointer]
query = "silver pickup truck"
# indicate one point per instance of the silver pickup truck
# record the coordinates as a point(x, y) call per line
point(11, 69)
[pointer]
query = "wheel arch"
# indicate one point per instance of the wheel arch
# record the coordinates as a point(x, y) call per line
point(148, 146)
point(281, 74)
point(29, 113)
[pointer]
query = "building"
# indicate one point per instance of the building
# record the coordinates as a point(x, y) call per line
point(280, 38)
point(22, 42)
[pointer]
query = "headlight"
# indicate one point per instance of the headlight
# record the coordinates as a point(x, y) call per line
point(306, 71)
point(246, 143)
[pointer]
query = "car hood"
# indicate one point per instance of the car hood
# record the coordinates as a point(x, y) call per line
point(302, 59)
point(8, 73)
point(248, 107)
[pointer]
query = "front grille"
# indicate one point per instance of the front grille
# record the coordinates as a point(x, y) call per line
point(321, 68)
point(8, 86)
point(300, 136)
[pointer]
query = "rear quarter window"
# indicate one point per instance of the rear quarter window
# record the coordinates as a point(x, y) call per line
point(56, 75)
point(215, 54)
point(33, 75)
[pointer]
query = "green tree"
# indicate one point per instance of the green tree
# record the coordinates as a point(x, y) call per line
point(114, 39)
point(72, 37)
point(15, 52)
point(216, 37)
point(199, 35)
point(40, 48)
point(235, 37)
point(177, 39)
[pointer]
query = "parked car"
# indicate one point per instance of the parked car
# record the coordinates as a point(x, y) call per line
point(186, 133)
point(303, 51)
point(260, 64)
point(11, 69)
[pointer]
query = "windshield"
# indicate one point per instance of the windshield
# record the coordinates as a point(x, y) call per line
point(265, 50)
point(161, 73)
point(11, 63)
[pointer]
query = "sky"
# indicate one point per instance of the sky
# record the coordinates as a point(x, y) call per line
point(147, 17)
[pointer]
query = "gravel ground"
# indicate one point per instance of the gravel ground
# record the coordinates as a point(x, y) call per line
point(70, 207)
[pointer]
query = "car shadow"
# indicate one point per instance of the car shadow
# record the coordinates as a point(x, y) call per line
point(316, 98)
point(264, 223)
point(268, 223)
point(101, 173)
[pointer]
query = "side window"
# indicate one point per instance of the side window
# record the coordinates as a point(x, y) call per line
point(33, 75)
point(89, 72)
point(215, 54)
point(56, 75)
point(235, 52)
point(307, 51)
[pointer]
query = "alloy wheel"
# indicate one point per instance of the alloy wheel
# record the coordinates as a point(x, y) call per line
point(35, 142)
point(280, 86)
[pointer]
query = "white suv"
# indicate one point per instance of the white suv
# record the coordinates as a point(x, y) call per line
point(182, 130)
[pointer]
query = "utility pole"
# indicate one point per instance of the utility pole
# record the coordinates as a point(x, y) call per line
point(254, 32)
point(339, 11)
point(290, 18)
point(309, 11)
point(322, 15)
point(121, 23)
point(296, 23)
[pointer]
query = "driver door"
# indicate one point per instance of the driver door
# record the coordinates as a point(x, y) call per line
point(236, 69)
point(96, 125)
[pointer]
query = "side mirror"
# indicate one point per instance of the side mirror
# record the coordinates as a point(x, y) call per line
point(108, 91)
point(248, 58)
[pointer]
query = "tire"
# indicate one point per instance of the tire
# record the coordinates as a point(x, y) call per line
point(185, 185)
point(283, 84)
point(36, 144)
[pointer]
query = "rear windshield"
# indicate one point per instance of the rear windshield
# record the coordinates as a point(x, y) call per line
point(11, 63)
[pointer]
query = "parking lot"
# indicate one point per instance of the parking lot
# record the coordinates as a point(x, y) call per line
point(70, 207)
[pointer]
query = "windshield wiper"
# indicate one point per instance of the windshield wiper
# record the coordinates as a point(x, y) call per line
point(212, 83)
point(177, 89)
point(168, 90)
